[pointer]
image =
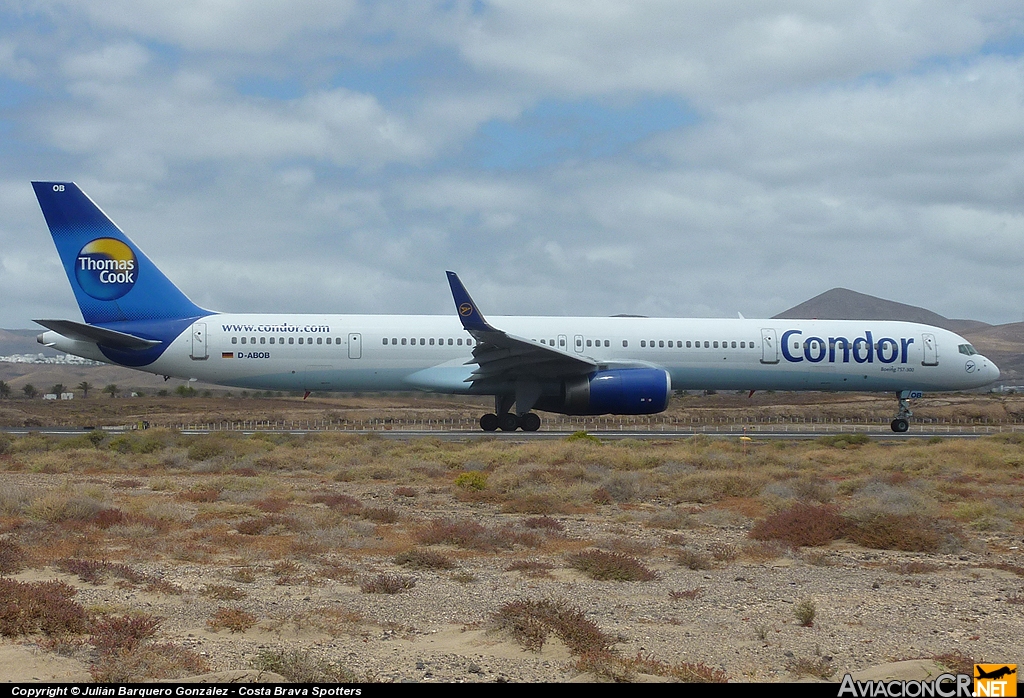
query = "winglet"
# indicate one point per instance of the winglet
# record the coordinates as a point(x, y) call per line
point(472, 319)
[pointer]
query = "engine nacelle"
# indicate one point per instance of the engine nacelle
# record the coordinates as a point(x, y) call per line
point(619, 391)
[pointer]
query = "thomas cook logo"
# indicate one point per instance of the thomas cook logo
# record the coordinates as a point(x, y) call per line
point(465, 310)
point(106, 269)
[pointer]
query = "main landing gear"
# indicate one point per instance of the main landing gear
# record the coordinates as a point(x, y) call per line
point(901, 424)
point(510, 422)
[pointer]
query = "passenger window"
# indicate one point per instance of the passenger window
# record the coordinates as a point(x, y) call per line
point(450, 341)
point(385, 341)
point(291, 340)
point(670, 344)
point(734, 345)
point(661, 343)
point(403, 341)
point(271, 340)
point(687, 344)
point(607, 343)
point(263, 340)
point(561, 342)
point(234, 340)
point(280, 340)
point(300, 340)
point(252, 340)
point(551, 342)
point(319, 340)
point(588, 343)
point(625, 343)
point(243, 340)
point(716, 345)
point(459, 342)
point(309, 340)
point(431, 341)
point(643, 343)
point(707, 344)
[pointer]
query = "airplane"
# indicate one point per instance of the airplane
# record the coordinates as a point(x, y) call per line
point(135, 317)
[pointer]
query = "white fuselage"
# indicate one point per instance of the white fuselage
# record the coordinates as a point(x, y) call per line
point(434, 353)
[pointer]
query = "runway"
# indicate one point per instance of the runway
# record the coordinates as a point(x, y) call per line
point(875, 433)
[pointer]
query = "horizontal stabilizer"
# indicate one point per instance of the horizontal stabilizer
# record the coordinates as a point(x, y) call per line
point(99, 335)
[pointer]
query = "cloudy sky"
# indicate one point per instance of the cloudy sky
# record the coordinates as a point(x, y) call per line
point(671, 158)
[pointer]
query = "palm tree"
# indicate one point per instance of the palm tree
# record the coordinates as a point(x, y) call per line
point(29, 390)
point(112, 389)
point(85, 387)
point(5, 390)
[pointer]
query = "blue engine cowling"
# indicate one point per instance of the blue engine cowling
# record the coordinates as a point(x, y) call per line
point(619, 391)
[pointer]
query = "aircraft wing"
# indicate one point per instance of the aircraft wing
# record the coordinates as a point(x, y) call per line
point(502, 357)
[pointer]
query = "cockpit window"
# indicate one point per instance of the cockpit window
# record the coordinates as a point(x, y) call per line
point(968, 350)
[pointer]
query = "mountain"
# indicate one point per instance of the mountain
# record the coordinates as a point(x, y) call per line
point(844, 304)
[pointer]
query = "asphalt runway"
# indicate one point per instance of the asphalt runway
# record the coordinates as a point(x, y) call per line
point(521, 436)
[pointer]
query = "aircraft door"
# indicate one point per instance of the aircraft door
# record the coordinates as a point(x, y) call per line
point(355, 345)
point(769, 346)
point(199, 350)
point(931, 350)
point(578, 344)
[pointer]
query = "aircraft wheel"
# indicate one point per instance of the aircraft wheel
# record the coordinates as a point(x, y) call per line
point(530, 422)
point(508, 422)
point(489, 422)
point(900, 425)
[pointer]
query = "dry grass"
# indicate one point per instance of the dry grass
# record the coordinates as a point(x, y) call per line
point(311, 510)
point(605, 566)
point(234, 620)
point(530, 623)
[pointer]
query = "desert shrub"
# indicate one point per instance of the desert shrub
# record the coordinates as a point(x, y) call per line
point(531, 568)
point(272, 505)
point(909, 532)
point(471, 480)
point(341, 503)
point(264, 524)
point(694, 559)
point(805, 612)
point(112, 633)
point(12, 557)
point(685, 594)
point(58, 506)
point(204, 449)
point(387, 584)
point(147, 660)
point(233, 619)
point(819, 667)
point(105, 518)
point(530, 623)
point(606, 566)
point(844, 440)
point(299, 666)
point(46, 607)
point(544, 522)
point(957, 662)
point(380, 514)
point(96, 571)
point(582, 436)
point(223, 592)
point(802, 524)
point(424, 560)
point(405, 492)
point(5, 444)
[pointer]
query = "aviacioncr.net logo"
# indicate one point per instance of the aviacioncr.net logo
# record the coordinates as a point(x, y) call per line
point(106, 269)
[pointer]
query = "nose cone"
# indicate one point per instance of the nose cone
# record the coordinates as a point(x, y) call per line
point(991, 371)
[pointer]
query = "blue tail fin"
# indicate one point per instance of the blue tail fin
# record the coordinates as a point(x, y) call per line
point(112, 279)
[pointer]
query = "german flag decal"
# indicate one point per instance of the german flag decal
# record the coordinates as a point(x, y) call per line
point(227, 355)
